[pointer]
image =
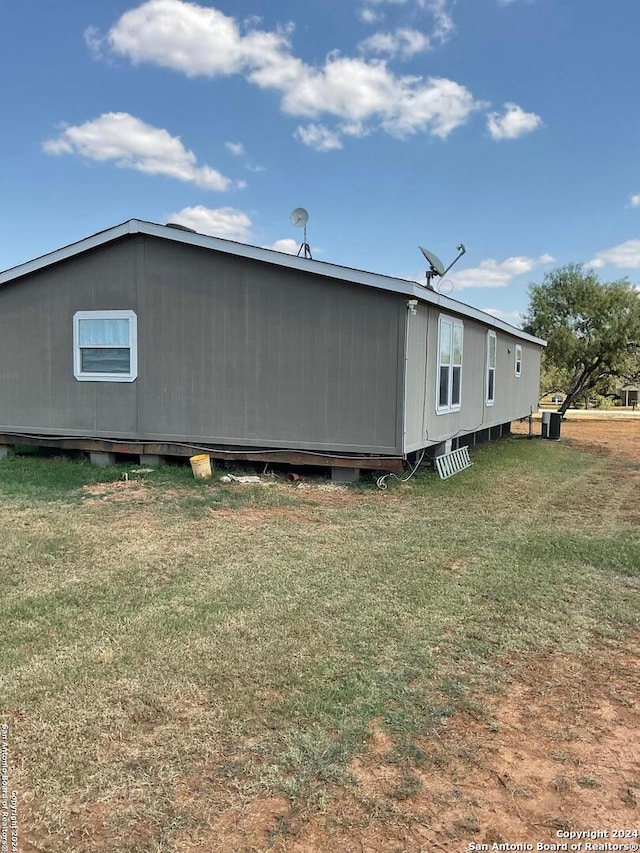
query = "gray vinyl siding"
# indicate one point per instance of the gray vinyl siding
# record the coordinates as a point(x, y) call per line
point(515, 397)
point(230, 351)
point(416, 366)
point(38, 391)
point(252, 354)
point(233, 350)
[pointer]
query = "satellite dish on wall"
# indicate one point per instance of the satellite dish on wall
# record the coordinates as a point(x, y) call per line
point(299, 218)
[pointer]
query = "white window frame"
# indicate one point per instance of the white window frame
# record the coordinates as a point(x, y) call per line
point(518, 362)
point(84, 376)
point(491, 335)
point(450, 406)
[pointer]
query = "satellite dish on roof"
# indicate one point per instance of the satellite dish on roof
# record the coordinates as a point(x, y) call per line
point(434, 261)
point(299, 218)
point(436, 267)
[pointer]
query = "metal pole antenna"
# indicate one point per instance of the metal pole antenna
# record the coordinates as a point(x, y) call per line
point(304, 246)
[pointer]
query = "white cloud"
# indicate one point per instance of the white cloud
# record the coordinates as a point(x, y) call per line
point(404, 42)
point(199, 41)
point(492, 273)
point(443, 26)
point(513, 123)
point(132, 144)
point(225, 222)
point(355, 90)
point(196, 40)
point(95, 43)
point(368, 16)
point(624, 255)
point(439, 106)
point(634, 200)
point(514, 318)
point(236, 148)
point(354, 128)
point(318, 136)
point(350, 89)
point(287, 245)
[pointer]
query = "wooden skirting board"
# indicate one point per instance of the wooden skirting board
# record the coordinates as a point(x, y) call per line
point(287, 457)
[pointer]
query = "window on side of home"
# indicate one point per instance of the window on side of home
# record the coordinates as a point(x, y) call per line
point(491, 367)
point(518, 360)
point(449, 375)
point(105, 346)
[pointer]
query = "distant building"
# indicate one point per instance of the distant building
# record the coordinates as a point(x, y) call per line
point(629, 395)
point(552, 399)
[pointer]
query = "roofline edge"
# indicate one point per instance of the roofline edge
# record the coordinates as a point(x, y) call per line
point(369, 279)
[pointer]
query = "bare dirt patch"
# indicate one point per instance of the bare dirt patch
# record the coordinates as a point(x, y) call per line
point(334, 494)
point(313, 503)
point(248, 827)
point(558, 751)
point(121, 491)
point(620, 438)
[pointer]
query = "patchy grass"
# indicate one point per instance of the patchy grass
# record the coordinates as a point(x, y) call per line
point(171, 647)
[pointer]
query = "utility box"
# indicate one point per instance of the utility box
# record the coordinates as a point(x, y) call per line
point(546, 419)
point(551, 425)
point(555, 425)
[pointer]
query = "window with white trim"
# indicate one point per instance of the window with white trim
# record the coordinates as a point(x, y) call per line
point(105, 346)
point(518, 360)
point(492, 347)
point(449, 374)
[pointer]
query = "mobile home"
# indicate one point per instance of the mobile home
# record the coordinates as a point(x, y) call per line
point(151, 339)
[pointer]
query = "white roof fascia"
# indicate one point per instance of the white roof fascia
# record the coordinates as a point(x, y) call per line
point(65, 252)
point(456, 307)
point(270, 256)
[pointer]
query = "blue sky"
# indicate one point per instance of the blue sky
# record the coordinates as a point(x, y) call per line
point(509, 125)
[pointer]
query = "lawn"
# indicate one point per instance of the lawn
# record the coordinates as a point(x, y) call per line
point(175, 652)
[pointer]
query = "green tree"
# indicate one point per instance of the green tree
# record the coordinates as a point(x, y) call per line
point(553, 380)
point(592, 328)
point(630, 367)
